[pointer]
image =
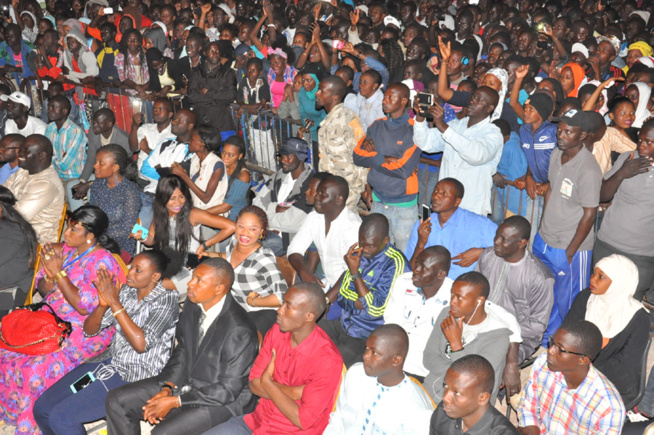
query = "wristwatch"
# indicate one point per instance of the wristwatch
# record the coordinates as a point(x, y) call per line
point(174, 391)
point(355, 276)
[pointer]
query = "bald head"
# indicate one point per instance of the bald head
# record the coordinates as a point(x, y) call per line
point(375, 224)
point(437, 256)
point(491, 96)
point(402, 89)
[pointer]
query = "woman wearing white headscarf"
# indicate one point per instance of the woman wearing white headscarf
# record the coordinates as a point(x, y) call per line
point(640, 94)
point(624, 322)
point(29, 31)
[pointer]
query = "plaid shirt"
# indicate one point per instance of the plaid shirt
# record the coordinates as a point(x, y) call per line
point(595, 407)
point(157, 314)
point(257, 273)
point(69, 146)
point(130, 73)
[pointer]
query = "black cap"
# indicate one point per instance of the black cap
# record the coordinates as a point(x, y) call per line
point(574, 118)
point(295, 146)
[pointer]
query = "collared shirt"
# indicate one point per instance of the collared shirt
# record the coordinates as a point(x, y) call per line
point(40, 199)
point(7, 171)
point(491, 423)
point(211, 314)
point(379, 274)
point(594, 407)
point(257, 273)
point(408, 308)
point(316, 364)
point(153, 136)
point(612, 140)
point(524, 289)
point(367, 407)
point(33, 126)
point(628, 223)
point(369, 109)
point(69, 144)
point(157, 315)
point(470, 154)
point(462, 231)
point(343, 233)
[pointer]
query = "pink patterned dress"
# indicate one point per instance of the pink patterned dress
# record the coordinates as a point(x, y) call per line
point(23, 378)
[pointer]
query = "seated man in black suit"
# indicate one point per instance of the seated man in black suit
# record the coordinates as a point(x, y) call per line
point(205, 382)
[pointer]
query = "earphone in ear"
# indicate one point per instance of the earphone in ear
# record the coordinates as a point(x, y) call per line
point(478, 303)
point(465, 61)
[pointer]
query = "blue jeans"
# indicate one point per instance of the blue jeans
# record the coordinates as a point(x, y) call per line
point(569, 280)
point(59, 411)
point(401, 220)
point(233, 426)
point(147, 213)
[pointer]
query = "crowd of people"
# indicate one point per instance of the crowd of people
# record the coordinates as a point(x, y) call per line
point(459, 215)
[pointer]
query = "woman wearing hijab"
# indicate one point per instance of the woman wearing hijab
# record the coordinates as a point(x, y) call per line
point(640, 94)
point(572, 78)
point(30, 26)
point(155, 37)
point(311, 77)
point(624, 322)
point(636, 51)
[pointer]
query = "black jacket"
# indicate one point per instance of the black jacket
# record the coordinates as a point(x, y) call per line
point(218, 370)
point(621, 359)
point(213, 107)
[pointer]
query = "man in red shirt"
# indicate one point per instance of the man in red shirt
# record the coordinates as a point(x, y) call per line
point(297, 373)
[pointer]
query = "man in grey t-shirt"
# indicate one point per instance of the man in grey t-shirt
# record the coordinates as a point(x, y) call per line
point(627, 225)
point(565, 239)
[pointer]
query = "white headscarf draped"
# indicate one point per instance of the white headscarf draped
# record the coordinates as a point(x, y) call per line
point(503, 76)
point(612, 311)
point(642, 112)
point(605, 107)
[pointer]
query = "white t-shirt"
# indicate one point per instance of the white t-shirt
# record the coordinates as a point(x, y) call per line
point(154, 137)
point(201, 174)
point(33, 126)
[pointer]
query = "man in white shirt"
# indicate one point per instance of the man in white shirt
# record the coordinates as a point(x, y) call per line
point(417, 298)
point(472, 147)
point(20, 122)
point(376, 396)
point(283, 196)
point(332, 227)
point(145, 137)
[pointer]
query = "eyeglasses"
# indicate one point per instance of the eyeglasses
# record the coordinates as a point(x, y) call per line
point(9, 148)
point(561, 350)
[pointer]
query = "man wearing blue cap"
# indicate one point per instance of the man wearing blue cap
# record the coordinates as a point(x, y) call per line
point(283, 196)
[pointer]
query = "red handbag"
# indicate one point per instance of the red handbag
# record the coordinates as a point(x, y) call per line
point(32, 331)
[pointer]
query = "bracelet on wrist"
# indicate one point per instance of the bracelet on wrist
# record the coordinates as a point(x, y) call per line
point(118, 312)
point(61, 274)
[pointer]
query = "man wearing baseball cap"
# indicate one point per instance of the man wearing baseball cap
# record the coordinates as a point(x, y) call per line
point(565, 239)
point(20, 122)
point(283, 196)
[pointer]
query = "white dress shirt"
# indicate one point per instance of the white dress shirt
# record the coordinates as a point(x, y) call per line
point(408, 308)
point(366, 407)
point(470, 155)
point(343, 233)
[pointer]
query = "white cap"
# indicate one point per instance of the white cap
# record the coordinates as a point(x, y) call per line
point(391, 20)
point(581, 48)
point(447, 22)
point(18, 97)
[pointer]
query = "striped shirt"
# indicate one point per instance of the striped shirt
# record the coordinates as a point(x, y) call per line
point(69, 145)
point(257, 273)
point(594, 407)
point(157, 315)
point(379, 274)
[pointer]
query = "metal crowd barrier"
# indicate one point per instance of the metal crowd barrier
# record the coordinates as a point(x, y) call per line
point(263, 134)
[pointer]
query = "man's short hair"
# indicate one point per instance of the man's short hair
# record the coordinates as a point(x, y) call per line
point(4, 89)
point(459, 190)
point(394, 335)
point(341, 184)
point(520, 224)
point(476, 279)
point(169, 104)
point(108, 113)
point(315, 295)
point(43, 143)
point(478, 367)
point(221, 267)
point(63, 100)
point(374, 75)
point(14, 138)
point(338, 86)
point(320, 175)
point(442, 254)
point(375, 224)
point(586, 337)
